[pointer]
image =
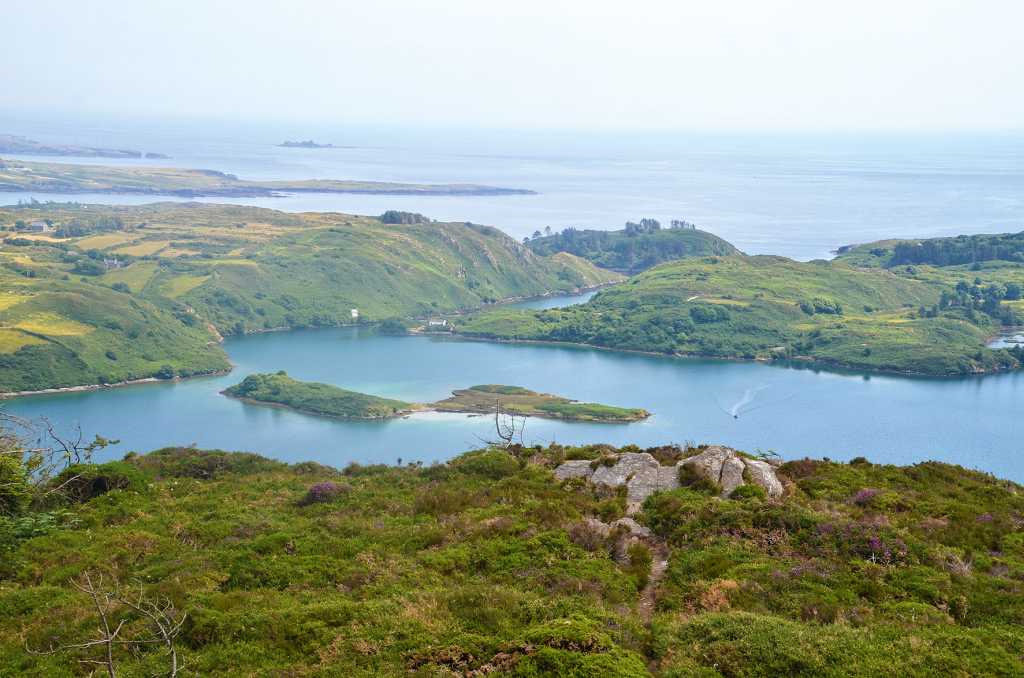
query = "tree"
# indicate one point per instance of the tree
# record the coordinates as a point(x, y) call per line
point(547, 230)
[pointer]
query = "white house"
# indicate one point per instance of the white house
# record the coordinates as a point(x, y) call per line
point(355, 315)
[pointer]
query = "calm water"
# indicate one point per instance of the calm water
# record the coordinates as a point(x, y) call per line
point(796, 195)
point(974, 422)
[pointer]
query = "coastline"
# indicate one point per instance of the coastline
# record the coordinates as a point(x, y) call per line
point(4, 395)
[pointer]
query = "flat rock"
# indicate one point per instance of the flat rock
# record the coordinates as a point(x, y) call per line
point(576, 468)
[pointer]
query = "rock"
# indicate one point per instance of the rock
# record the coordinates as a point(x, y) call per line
point(732, 475)
point(727, 469)
point(643, 475)
point(638, 471)
point(602, 529)
point(576, 468)
point(763, 474)
point(635, 528)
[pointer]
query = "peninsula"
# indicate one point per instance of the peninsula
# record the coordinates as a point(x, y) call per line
point(281, 390)
point(40, 177)
point(10, 143)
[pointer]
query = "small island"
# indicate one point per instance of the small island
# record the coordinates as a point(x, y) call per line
point(517, 400)
point(309, 143)
point(280, 390)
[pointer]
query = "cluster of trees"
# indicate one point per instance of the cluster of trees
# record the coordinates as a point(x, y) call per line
point(963, 249)
point(78, 227)
point(823, 306)
point(637, 247)
point(974, 298)
point(398, 217)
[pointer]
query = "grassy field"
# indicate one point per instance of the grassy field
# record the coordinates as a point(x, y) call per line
point(181, 267)
point(19, 175)
point(518, 400)
point(314, 398)
point(774, 308)
point(487, 564)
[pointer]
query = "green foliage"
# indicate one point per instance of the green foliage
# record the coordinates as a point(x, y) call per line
point(771, 308)
point(479, 565)
point(315, 398)
point(517, 400)
point(633, 249)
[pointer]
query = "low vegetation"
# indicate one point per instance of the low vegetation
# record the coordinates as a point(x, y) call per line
point(922, 321)
point(638, 247)
point(158, 285)
point(486, 398)
point(332, 401)
point(486, 565)
point(314, 398)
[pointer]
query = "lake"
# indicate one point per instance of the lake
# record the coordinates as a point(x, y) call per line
point(796, 412)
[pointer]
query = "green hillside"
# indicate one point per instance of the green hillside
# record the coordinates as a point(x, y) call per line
point(774, 308)
point(636, 248)
point(159, 282)
point(487, 566)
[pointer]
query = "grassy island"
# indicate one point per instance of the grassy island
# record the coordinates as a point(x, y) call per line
point(49, 177)
point(314, 398)
point(326, 400)
point(521, 401)
point(487, 564)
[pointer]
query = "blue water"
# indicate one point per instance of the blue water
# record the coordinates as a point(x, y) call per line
point(972, 421)
point(796, 195)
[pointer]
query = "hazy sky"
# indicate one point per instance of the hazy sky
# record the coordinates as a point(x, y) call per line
point(920, 64)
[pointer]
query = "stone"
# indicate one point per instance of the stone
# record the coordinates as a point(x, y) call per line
point(576, 468)
point(643, 475)
point(635, 528)
point(731, 476)
point(763, 474)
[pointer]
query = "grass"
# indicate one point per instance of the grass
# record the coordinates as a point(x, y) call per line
point(774, 308)
point(484, 564)
point(519, 400)
point(52, 325)
point(245, 269)
point(314, 398)
point(13, 339)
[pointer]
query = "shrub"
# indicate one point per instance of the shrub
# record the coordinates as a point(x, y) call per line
point(696, 482)
point(15, 489)
point(749, 491)
point(82, 482)
point(324, 492)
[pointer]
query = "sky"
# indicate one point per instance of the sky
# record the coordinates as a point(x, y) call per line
point(558, 64)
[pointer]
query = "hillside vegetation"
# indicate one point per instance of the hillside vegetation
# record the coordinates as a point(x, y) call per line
point(155, 284)
point(51, 177)
point(636, 248)
point(773, 308)
point(957, 251)
point(487, 566)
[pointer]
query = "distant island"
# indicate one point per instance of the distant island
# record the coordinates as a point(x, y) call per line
point(281, 390)
point(193, 183)
point(309, 143)
point(10, 143)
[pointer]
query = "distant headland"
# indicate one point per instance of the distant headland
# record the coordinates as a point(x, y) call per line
point(309, 143)
point(10, 143)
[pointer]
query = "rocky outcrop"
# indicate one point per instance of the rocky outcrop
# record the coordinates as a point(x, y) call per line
point(642, 475)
